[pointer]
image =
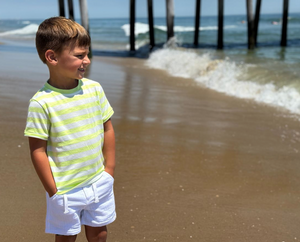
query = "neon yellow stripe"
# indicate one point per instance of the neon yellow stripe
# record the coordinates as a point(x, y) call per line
point(105, 118)
point(76, 151)
point(89, 86)
point(76, 119)
point(77, 181)
point(102, 105)
point(76, 130)
point(37, 120)
point(36, 109)
point(75, 171)
point(30, 130)
point(74, 109)
point(78, 140)
point(76, 161)
point(68, 100)
point(45, 96)
point(29, 134)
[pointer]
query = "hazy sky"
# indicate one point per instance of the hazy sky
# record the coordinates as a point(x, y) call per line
point(41, 9)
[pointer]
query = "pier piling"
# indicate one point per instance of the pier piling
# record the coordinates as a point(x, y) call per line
point(220, 23)
point(132, 25)
point(284, 22)
point(71, 9)
point(151, 24)
point(84, 14)
point(251, 38)
point(197, 22)
point(61, 8)
point(85, 19)
point(256, 20)
point(170, 18)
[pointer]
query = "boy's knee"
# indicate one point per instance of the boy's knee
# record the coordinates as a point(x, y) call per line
point(101, 237)
point(65, 238)
point(96, 234)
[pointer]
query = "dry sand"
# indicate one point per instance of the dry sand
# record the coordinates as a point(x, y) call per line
point(192, 164)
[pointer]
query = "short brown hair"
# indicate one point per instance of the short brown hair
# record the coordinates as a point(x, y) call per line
point(57, 32)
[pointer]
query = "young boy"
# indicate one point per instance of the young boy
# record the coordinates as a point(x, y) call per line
point(71, 137)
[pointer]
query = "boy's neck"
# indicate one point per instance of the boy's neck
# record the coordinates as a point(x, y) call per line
point(63, 85)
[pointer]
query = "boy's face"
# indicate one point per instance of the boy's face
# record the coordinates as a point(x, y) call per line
point(72, 62)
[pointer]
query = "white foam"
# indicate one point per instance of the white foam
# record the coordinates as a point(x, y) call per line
point(27, 30)
point(223, 76)
point(138, 44)
point(141, 28)
point(216, 27)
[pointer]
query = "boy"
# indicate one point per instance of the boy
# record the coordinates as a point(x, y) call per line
point(71, 137)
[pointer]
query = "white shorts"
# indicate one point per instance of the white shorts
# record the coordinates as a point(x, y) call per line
point(93, 205)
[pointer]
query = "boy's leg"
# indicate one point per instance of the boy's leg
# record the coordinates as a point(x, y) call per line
point(65, 238)
point(96, 234)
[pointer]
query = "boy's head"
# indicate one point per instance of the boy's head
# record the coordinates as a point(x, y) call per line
point(59, 32)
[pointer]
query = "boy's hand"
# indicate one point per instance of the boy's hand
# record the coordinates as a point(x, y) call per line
point(52, 193)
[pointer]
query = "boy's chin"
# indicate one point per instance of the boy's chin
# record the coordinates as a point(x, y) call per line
point(80, 76)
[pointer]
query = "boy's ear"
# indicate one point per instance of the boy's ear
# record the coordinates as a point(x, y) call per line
point(50, 56)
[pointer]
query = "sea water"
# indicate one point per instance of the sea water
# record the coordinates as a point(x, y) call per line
point(270, 74)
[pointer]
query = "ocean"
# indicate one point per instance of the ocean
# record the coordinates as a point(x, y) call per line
point(269, 75)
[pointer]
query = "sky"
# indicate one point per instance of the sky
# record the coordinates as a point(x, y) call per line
point(42, 9)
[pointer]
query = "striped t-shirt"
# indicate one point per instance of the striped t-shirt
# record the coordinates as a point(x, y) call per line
point(72, 123)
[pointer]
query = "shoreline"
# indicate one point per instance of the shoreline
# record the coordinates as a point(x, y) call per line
point(192, 164)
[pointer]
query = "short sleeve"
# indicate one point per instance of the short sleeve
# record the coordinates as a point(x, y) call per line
point(106, 109)
point(38, 123)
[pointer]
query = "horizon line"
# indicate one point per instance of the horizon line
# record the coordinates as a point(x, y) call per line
point(124, 17)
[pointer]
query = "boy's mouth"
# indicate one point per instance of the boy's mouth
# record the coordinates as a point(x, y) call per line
point(81, 69)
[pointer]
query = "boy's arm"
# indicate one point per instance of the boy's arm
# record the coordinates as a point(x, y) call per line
point(41, 164)
point(109, 147)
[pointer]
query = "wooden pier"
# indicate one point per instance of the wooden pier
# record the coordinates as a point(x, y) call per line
point(252, 20)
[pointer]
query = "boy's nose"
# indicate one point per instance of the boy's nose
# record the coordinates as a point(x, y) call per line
point(86, 60)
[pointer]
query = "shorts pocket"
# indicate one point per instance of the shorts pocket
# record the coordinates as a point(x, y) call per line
point(109, 175)
point(53, 197)
point(56, 201)
point(105, 183)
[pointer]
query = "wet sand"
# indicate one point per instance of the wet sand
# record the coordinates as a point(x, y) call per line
point(192, 164)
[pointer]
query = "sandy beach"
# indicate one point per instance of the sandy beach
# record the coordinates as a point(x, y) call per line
point(192, 164)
